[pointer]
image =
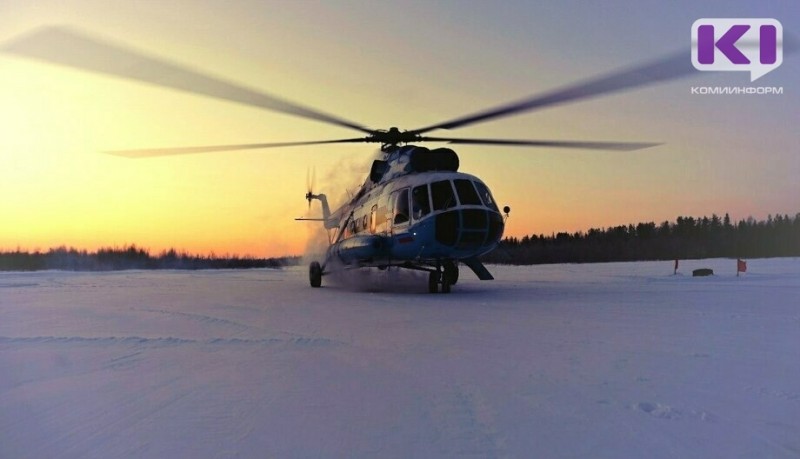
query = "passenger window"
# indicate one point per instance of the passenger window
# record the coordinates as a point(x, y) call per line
point(486, 196)
point(420, 204)
point(401, 207)
point(373, 219)
point(466, 193)
point(443, 196)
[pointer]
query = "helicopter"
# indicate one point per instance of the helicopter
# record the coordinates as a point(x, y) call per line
point(415, 209)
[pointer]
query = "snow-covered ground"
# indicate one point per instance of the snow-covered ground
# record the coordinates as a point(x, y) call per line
point(605, 360)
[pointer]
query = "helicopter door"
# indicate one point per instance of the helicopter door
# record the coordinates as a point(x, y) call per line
point(373, 219)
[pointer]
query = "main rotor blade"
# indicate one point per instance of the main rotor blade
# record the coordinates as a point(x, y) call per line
point(620, 146)
point(70, 48)
point(670, 67)
point(151, 152)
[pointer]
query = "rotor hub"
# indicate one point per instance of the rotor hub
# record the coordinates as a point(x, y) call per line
point(392, 137)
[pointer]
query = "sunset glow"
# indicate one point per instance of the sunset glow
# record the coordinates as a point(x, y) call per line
point(380, 64)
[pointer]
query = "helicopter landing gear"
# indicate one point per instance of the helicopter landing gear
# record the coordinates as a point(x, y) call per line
point(445, 285)
point(446, 278)
point(315, 274)
point(433, 282)
point(450, 271)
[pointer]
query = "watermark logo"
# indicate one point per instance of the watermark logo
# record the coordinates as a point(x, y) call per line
point(737, 45)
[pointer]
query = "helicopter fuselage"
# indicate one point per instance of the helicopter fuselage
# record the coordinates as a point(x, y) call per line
point(420, 218)
point(415, 211)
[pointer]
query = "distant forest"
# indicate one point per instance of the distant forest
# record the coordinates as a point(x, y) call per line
point(131, 257)
point(686, 238)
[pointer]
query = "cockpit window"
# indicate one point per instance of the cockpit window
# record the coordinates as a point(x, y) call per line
point(443, 196)
point(486, 196)
point(420, 204)
point(466, 193)
point(401, 207)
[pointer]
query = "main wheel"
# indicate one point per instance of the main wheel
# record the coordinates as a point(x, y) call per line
point(450, 271)
point(315, 274)
point(433, 282)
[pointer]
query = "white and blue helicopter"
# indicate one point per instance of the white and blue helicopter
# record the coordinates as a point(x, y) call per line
point(415, 210)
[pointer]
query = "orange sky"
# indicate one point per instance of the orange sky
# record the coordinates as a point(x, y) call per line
point(363, 62)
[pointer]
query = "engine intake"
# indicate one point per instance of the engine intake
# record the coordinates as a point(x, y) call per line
point(438, 159)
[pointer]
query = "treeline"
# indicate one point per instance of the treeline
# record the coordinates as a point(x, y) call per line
point(686, 238)
point(131, 257)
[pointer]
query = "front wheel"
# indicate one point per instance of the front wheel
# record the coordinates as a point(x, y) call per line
point(450, 271)
point(315, 274)
point(433, 282)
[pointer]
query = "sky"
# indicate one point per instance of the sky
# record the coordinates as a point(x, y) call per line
point(379, 64)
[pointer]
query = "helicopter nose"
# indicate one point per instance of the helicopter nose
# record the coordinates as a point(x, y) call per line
point(469, 228)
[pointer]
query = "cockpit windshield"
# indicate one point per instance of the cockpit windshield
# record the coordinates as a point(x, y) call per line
point(442, 195)
point(486, 196)
point(466, 193)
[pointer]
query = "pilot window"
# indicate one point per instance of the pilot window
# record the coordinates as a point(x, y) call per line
point(486, 196)
point(466, 193)
point(420, 204)
point(401, 207)
point(443, 196)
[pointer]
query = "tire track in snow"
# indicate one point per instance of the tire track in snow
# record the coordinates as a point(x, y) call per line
point(664, 411)
point(124, 361)
point(201, 318)
point(164, 341)
point(19, 285)
point(774, 393)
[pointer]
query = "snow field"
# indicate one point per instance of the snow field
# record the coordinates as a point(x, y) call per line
point(604, 360)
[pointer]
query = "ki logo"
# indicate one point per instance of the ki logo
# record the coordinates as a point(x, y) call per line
point(752, 45)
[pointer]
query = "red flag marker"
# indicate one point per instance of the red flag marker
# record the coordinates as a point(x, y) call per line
point(741, 266)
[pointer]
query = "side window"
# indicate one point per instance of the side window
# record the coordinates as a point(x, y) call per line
point(373, 219)
point(443, 196)
point(486, 196)
point(401, 207)
point(420, 203)
point(466, 193)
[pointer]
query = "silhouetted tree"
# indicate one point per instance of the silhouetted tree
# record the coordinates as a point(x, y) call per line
point(131, 257)
point(686, 238)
